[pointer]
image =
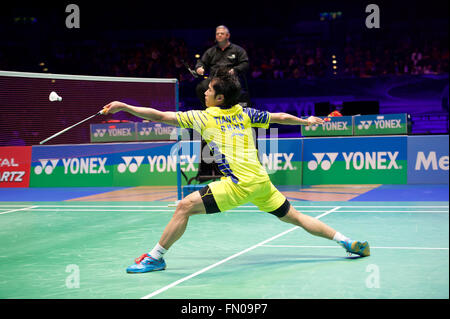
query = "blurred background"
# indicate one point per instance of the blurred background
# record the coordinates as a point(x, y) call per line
point(305, 57)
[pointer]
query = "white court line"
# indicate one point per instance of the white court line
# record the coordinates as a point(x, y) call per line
point(92, 206)
point(101, 210)
point(337, 246)
point(249, 206)
point(175, 283)
point(389, 211)
point(93, 209)
point(18, 209)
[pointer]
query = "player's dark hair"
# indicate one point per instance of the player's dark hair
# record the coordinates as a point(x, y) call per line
point(228, 85)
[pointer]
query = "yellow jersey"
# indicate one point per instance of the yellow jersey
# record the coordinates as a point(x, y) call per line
point(228, 132)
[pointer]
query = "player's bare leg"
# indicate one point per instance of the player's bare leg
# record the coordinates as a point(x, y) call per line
point(188, 206)
point(310, 224)
point(153, 261)
point(318, 228)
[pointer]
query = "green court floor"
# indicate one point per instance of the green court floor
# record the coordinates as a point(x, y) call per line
point(58, 250)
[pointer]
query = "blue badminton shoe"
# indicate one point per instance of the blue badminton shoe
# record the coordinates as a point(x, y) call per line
point(146, 263)
point(356, 247)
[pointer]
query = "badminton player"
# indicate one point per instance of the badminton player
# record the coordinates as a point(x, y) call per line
point(226, 127)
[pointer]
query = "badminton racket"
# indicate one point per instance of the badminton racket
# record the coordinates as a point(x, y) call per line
point(71, 127)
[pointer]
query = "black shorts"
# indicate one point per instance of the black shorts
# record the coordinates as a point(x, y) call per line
point(211, 205)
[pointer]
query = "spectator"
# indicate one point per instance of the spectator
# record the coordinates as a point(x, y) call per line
point(223, 54)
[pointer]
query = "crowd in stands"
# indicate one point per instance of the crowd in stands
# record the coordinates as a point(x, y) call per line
point(352, 61)
point(164, 59)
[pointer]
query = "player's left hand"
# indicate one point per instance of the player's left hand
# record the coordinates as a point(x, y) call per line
point(314, 120)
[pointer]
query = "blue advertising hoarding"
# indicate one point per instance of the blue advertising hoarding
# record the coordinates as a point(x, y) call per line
point(428, 159)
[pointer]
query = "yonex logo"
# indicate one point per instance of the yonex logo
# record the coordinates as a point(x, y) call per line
point(99, 132)
point(311, 127)
point(388, 124)
point(356, 160)
point(324, 164)
point(371, 160)
point(88, 165)
point(329, 126)
point(380, 123)
point(132, 167)
point(364, 125)
point(273, 161)
point(46, 165)
point(145, 131)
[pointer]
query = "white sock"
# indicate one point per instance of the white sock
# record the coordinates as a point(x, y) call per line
point(338, 237)
point(157, 252)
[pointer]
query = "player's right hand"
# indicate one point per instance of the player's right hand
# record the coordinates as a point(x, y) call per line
point(200, 71)
point(113, 107)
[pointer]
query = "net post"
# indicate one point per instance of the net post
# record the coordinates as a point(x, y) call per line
point(179, 191)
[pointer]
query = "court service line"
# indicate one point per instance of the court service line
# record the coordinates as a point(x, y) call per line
point(175, 283)
point(18, 209)
point(337, 246)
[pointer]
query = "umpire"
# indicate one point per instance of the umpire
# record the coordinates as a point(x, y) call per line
point(223, 54)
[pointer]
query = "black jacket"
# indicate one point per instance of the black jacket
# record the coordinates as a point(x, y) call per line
point(233, 57)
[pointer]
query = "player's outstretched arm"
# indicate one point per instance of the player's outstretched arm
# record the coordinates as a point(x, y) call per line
point(288, 119)
point(147, 113)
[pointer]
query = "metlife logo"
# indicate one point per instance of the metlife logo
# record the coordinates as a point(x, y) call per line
point(428, 159)
point(431, 161)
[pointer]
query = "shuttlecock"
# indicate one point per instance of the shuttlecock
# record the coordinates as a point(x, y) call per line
point(54, 97)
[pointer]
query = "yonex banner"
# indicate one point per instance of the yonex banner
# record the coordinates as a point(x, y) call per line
point(113, 132)
point(15, 166)
point(130, 164)
point(386, 124)
point(355, 160)
point(309, 161)
point(150, 131)
point(428, 159)
point(282, 160)
point(132, 132)
point(336, 126)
